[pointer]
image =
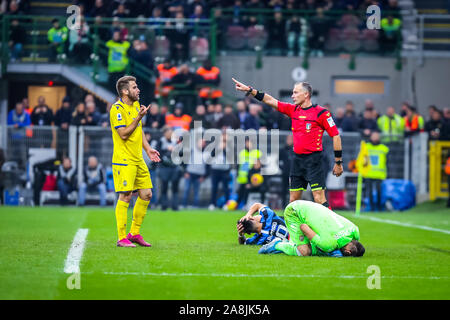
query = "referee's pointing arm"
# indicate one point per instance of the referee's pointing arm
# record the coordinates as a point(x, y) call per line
point(261, 96)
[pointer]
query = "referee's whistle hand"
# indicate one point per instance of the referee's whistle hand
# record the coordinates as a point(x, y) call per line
point(338, 170)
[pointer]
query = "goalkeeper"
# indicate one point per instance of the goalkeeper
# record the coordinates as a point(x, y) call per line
point(316, 230)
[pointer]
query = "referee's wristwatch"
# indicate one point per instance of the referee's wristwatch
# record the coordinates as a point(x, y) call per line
point(339, 162)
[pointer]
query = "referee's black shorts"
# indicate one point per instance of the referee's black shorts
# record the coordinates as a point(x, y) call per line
point(307, 168)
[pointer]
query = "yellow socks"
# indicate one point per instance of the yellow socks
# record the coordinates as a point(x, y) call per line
point(139, 211)
point(121, 218)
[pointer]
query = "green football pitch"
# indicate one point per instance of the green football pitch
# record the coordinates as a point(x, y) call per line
point(195, 255)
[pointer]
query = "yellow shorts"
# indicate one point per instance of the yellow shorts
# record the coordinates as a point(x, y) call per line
point(131, 177)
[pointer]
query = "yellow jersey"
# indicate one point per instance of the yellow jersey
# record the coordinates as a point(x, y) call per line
point(127, 151)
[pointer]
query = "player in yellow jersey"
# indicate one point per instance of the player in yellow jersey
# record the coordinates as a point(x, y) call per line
point(129, 169)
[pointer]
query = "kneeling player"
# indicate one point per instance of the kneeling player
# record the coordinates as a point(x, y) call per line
point(316, 230)
point(267, 226)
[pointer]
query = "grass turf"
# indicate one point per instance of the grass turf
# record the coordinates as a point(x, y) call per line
point(195, 255)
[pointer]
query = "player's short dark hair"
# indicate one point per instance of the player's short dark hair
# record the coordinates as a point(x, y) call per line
point(123, 83)
point(356, 249)
point(249, 226)
point(307, 87)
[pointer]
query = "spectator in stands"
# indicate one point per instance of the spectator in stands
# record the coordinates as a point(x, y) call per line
point(117, 58)
point(200, 115)
point(199, 29)
point(18, 117)
point(295, 38)
point(168, 172)
point(175, 7)
point(121, 11)
point(210, 78)
point(155, 120)
point(26, 105)
point(252, 185)
point(42, 115)
point(186, 81)
point(79, 115)
point(79, 47)
point(319, 30)
point(67, 181)
point(435, 125)
point(220, 172)
point(157, 20)
point(413, 121)
point(368, 124)
point(195, 174)
point(178, 36)
point(210, 117)
point(218, 114)
point(377, 171)
point(276, 29)
point(431, 110)
point(404, 108)
point(103, 33)
point(57, 36)
point(178, 120)
point(241, 112)
point(166, 71)
point(93, 180)
point(340, 114)
point(222, 24)
point(251, 121)
point(104, 119)
point(229, 119)
point(100, 9)
point(63, 115)
point(390, 34)
point(89, 98)
point(92, 115)
point(16, 39)
point(391, 126)
point(142, 32)
point(13, 8)
point(350, 123)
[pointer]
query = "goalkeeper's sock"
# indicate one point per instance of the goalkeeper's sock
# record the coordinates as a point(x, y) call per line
point(121, 218)
point(288, 248)
point(139, 211)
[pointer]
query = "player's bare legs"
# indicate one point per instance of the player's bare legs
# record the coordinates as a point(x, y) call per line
point(295, 195)
point(319, 196)
point(139, 211)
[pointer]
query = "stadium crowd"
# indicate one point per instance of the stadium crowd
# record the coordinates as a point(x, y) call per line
point(244, 114)
point(279, 32)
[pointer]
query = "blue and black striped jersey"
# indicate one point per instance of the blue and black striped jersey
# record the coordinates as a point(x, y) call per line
point(273, 227)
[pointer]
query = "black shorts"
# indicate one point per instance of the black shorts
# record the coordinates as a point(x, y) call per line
point(307, 168)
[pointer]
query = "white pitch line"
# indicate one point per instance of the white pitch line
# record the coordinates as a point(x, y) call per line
point(240, 275)
point(72, 264)
point(404, 224)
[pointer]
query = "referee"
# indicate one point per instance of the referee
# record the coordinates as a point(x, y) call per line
point(309, 121)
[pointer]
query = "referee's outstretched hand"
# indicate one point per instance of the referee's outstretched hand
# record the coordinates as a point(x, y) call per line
point(240, 86)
